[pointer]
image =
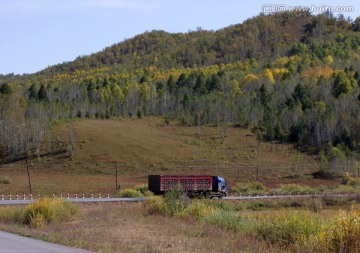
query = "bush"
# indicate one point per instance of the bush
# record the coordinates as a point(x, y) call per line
point(258, 206)
point(175, 202)
point(295, 189)
point(249, 188)
point(47, 210)
point(287, 229)
point(348, 180)
point(315, 204)
point(197, 211)
point(341, 235)
point(155, 205)
point(130, 193)
point(144, 190)
point(230, 221)
point(172, 204)
point(5, 180)
point(11, 215)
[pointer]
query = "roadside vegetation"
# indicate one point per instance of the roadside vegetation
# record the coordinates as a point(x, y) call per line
point(138, 191)
point(295, 226)
point(39, 213)
point(176, 224)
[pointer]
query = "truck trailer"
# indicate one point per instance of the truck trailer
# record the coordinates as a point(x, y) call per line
point(193, 186)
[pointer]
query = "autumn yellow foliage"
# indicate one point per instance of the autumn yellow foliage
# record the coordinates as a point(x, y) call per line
point(250, 78)
point(341, 235)
point(268, 75)
point(317, 72)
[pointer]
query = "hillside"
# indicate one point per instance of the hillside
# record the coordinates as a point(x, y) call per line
point(289, 77)
point(148, 146)
point(252, 39)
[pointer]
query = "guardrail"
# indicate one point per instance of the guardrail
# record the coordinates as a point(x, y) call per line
point(28, 198)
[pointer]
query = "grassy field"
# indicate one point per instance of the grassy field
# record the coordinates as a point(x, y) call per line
point(148, 146)
point(211, 226)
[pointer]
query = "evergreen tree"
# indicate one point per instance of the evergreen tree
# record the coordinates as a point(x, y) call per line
point(5, 89)
point(42, 94)
point(33, 92)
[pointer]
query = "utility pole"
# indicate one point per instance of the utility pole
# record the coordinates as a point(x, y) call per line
point(116, 177)
point(28, 172)
point(257, 162)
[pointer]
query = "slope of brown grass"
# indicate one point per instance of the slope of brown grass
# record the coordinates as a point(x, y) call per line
point(148, 146)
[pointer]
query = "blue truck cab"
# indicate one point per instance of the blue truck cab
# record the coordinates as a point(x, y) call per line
point(219, 186)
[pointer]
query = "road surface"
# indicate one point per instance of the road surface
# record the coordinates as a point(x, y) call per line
point(78, 200)
point(10, 243)
point(244, 197)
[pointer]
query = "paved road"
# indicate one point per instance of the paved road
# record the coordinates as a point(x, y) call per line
point(10, 243)
point(93, 200)
point(287, 196)
point(78, 200)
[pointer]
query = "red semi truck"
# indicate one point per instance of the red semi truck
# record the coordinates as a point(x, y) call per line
point(193, 186)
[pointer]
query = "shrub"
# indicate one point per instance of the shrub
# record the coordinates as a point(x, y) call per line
point(11, 214)
point(295, 189)
point(130, 193)
point(287, 229)
point(226, 206)
point(249, 188)
point(193, 142)
point(257, 206)
point(333, 201)
point(47, 210)
point(230, 221)
point(143, 189)
point(175, 202)
point(350, 182)
point(155, 205)
point(341, 235)
point(315, 204)
point(5, 180)
point(197, 211)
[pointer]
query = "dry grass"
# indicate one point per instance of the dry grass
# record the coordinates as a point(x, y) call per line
point(126, 227)
point(147, 146)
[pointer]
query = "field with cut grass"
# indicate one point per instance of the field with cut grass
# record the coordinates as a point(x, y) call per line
point(148, 146)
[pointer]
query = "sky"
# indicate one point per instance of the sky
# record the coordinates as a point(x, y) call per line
point(35, 34)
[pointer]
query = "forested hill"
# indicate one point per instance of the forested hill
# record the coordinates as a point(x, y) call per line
point(263, 36)
point(259, 37)
point(290, 77)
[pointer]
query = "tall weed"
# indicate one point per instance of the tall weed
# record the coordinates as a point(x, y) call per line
point(287, 229)
point(341, 235)
point(47, 210)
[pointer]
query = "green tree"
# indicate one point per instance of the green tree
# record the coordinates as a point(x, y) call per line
point(33, 92)
point(171, 83)
point(341, 85)
point(301, 94)
point(181, 82)
point(5, 89)
point(42, 94)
